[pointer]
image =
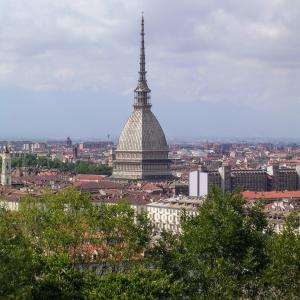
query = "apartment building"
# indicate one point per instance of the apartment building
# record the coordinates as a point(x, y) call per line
point(165, 214)
point(271, 179)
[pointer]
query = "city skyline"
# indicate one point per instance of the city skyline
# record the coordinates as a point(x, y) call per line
point(223, 70)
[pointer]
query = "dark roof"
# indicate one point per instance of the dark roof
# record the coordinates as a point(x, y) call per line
point(90, 186)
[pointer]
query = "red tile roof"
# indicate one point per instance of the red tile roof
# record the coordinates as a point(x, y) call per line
point(270, 195)
point(94, 186)
point(151, 187)
point(89, 177)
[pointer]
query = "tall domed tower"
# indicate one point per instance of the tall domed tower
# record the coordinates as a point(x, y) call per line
point(142, 151)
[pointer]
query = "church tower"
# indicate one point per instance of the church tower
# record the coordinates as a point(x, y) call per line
point(6, 167)
point(142, 151)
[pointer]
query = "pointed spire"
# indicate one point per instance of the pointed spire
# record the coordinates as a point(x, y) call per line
point(142, 71)
point(142, 91)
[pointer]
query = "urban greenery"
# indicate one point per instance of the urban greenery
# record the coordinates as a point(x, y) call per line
point(79, 167)
point(63, 247)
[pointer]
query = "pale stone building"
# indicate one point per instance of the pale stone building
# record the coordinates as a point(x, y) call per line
point(142, 151)
point(166, 214)
point(6, 167)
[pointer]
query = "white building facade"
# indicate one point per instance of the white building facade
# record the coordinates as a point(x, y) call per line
point(6, 168)
point(166, 214)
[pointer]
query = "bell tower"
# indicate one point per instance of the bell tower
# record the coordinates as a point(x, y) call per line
point(6, 167)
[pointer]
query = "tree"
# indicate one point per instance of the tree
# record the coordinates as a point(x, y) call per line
point(57, 279)
point(16, 267)
point(281, 278)
point(122, 237)
point(82, 167)
point(67, 223)
point(57, 224)
point(138, 284)
point(67, 233)
point(45, 162)
point(48, 250)
point(221, 252)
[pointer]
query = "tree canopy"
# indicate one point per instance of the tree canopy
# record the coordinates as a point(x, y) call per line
point(228, 251)
point(61, 246)
point(79, 167)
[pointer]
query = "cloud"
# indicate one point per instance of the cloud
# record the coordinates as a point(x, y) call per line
point(241, 53)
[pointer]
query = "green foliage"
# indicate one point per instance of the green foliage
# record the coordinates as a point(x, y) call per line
point(119, 227)
point(43, 244)
point(16, 267)
point(57, 279)
point(139, 284)
point(221, 252)
point(79, 167)
point(57, 223)
point(281, 277)
point(26, 161)
point(227, 251)
point(67, 223)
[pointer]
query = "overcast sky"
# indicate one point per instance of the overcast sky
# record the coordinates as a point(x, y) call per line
point(216, 68)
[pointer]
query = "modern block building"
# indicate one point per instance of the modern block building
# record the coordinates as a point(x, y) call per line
point(260, 180)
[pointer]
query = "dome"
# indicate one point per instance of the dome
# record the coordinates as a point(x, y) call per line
point(142, 151)
point(142, 132)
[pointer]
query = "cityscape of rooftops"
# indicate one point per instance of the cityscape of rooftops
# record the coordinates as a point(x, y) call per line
point(149, 149)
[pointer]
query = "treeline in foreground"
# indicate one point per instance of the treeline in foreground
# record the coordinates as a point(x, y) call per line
point(79, 167)
point(62, 247)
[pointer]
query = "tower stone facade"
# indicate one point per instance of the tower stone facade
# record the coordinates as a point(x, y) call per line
point(6, 167)
point(142, 151)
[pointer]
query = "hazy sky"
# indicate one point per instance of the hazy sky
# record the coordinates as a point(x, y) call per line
point(216, 68)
